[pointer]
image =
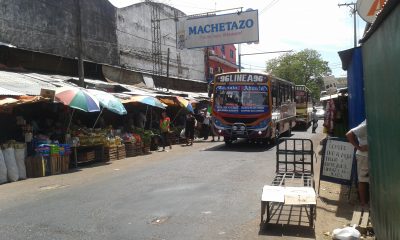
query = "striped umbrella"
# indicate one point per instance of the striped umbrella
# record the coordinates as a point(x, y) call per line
point(108, 101)
point(78, 98)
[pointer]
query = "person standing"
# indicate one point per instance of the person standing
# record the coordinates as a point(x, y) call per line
point(165, 122)
point(189, 128)
point(206, 125)
point(358, 138)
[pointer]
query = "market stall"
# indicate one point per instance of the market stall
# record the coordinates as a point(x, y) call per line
point(142, 130)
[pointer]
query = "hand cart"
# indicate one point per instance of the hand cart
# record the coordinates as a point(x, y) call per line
point(293, 183)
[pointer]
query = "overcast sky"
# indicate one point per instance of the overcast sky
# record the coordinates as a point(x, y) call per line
point(286, 25)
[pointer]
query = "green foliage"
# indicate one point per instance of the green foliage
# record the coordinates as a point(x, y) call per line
point(303, 68)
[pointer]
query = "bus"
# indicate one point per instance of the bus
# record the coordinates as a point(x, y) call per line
point(252, 106)
point(303, 106)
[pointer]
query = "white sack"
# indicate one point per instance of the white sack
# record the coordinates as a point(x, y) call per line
point(20, 158)
point(3, 169)
point(12, 168)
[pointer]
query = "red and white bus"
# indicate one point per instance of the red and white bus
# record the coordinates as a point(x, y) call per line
point(253, 106)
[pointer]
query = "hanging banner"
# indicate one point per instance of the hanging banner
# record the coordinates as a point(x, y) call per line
point(211, 30)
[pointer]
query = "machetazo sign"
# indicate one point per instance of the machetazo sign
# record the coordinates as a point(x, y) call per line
point(214, 30)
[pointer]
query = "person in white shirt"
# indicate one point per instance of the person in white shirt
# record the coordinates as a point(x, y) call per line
point(358, 138)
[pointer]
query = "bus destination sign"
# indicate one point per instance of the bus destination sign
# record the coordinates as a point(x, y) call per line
point(245, 78)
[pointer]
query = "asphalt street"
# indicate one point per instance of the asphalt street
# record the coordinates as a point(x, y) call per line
point(208, 191)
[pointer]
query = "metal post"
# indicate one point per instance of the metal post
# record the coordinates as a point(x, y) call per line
point(81, 70)
point(168, 63)
point(353, 7)
point(355, 24)
point(168, 69)
point(240, 57)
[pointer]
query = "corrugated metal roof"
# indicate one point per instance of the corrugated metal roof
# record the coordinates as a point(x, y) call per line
point(23, 83)
point(6, 92)
point(31, 83)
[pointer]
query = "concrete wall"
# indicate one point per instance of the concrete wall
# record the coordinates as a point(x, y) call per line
point(134, 38)
point(50, 26)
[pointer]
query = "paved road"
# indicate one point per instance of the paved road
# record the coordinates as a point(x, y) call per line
point(208, 191)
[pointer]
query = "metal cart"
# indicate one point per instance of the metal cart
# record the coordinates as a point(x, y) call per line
point(293, 183)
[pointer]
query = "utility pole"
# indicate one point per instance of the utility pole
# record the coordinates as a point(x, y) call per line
point(81, 71)
point(168, 63)
point(353, 7)
point(240, 56)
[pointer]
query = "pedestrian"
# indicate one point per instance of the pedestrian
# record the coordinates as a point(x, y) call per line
point(165, 122)
point(314, 120)
point(358, 138)
point(206, 125)
point(190, 124)
point(212, 130)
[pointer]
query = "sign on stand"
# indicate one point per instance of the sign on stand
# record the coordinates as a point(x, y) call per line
point(338, 163)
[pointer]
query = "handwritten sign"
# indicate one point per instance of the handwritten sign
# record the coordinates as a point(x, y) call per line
point(337, 163)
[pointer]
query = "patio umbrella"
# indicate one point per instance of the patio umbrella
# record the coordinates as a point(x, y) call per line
point(108, 101)
point(78, 98)
point(148, 100)
point(185, 103)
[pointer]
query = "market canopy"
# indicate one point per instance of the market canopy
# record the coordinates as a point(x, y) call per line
point(20, 100)
point(176, 101)
point(108, 101)
point(148, 100)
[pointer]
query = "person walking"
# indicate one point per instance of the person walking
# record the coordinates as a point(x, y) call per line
point(314, 120)
point(165, 122)
point(358, 138)
point(190, 124)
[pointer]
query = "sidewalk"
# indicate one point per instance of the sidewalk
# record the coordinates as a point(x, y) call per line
point(335, 202)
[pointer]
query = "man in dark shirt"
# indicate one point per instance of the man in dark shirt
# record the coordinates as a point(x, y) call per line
point(189, 128)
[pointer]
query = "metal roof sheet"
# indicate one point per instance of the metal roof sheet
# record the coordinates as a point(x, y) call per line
point(6, 92)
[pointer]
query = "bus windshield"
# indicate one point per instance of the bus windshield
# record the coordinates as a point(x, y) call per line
point(241, 98)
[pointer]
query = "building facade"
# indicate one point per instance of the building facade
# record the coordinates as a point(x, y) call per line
point(221, 59)
point(118, 37)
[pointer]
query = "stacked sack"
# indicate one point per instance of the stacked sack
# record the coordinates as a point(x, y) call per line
point(12, 162)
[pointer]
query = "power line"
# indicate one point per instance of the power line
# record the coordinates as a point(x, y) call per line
point(269, 6)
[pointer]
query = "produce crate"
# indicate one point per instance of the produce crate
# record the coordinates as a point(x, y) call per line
point(86, 156)
point(35, 166)
point(121, 152)
point(110, 153)
point(130, 149)
point(54, 164)
point(65, 163)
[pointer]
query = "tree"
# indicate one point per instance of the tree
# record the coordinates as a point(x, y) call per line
point(303, 68)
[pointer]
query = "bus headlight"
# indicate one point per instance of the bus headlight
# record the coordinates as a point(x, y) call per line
point(259, 132)
point(219, 131)
point(242, 128)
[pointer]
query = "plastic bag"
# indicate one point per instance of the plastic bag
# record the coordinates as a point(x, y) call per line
point(3, 169)
point(347, 233)
point(20, 159)
point(182, 134)
point(11, 163)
